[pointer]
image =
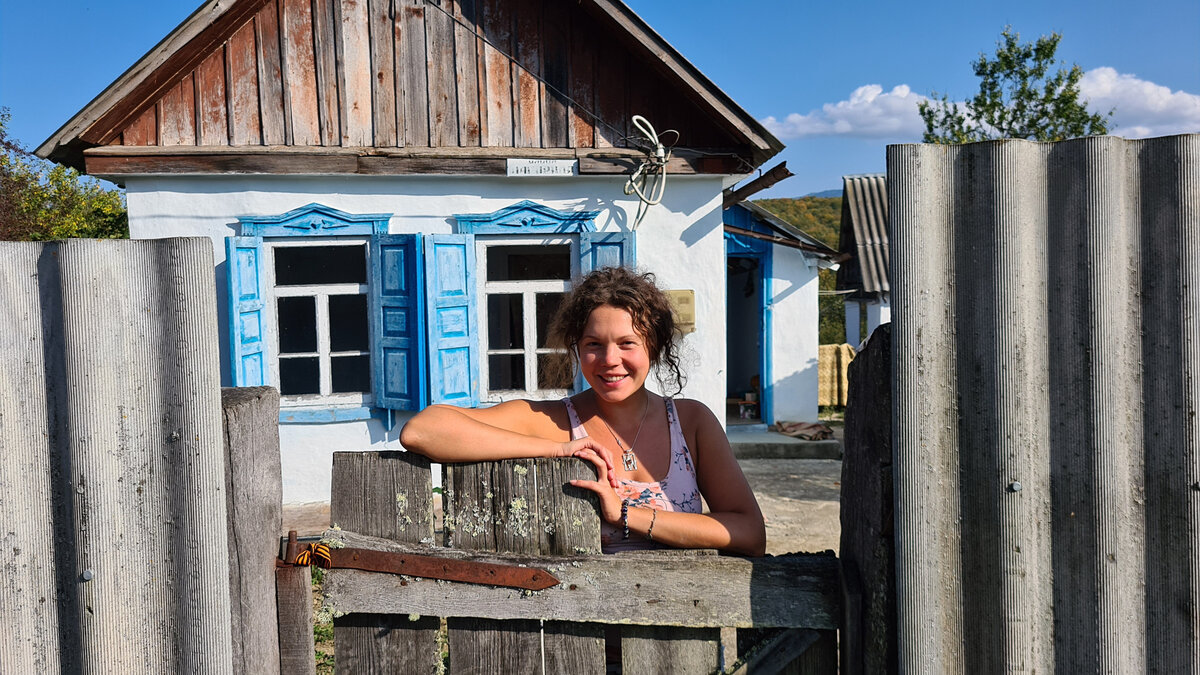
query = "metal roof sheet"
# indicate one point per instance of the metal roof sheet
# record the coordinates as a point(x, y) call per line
point(865, 236)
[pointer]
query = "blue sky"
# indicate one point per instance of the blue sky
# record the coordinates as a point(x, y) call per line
point(837, 82)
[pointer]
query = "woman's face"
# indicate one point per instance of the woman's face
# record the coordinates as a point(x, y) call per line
point(613, 356)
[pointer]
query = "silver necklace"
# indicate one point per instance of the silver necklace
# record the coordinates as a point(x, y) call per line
point(628, 459)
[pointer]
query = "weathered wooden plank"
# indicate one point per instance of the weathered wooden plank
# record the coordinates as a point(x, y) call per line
point(443, 97)
point(495, 82)
point(211, 103)
point(412, 72)
point(466, 71)
point(469, 517)
point(584, 51)
point(299, 70)
point(556, 67)
point(254, 495)
point(572, 647)
point(381, 643)
point(325, 34)
point(778, 652)
point(669, 649)
point(242, 75)
point(481, 646)
point(178, 115)
point(292, 163)
point(527, 90)
point(645, 588)
point(354, 72)
point(676, 165)
point(383, 72)
point(270, 75)
point(390, 495)
point(293, 597)
point(611, 103)
point(144, 130)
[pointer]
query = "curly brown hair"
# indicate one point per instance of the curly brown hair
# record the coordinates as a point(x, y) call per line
point(635, 293)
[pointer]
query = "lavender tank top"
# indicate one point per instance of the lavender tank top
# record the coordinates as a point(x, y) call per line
point(677, 491)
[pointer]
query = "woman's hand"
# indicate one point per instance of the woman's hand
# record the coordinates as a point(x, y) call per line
point(574, 447)
point(610, 503)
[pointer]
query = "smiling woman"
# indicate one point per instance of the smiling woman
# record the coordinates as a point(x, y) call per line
point(617, 327)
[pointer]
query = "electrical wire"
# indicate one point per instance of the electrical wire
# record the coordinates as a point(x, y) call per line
point(649, 181)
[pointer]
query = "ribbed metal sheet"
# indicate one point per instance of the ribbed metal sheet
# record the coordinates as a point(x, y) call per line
point(114, 546)
point(1046, 352)
point(865, 236)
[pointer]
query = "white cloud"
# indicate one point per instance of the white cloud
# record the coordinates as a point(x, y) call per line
point(869, 113)
point(1142, 109)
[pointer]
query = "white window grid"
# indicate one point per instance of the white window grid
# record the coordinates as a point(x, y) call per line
point(321, 294)
point(528, 290)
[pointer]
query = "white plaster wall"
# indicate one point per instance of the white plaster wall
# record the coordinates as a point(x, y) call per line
point(794, 336)
point(679, 240)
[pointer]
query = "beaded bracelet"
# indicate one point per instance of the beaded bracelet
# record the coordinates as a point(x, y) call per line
point(653, 517)
point(625, 517)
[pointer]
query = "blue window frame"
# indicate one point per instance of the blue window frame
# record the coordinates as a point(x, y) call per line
point(425, 343)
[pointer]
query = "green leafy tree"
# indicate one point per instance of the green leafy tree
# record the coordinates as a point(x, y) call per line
point(1023, 93)
point(41, 201)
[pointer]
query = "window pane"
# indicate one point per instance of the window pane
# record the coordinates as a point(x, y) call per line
point(297, 325)
point(351, 373)
point(547, 305)
point(299, 376)
point(304, 265)
point(506, 328)
point(526, 263)
point(348, 323)
point(506, 371)
point(554, 371)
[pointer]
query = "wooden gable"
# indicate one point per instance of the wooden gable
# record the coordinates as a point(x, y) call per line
point(385, 86)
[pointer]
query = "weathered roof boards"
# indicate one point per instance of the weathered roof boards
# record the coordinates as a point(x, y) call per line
point(405, 86)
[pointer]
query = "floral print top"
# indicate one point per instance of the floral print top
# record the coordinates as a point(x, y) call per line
point(677, 491)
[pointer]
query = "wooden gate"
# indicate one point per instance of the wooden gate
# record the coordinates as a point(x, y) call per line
point(669, 609)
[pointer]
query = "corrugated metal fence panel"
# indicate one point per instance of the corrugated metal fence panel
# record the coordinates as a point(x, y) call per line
point(1047, 343)
point(114, 550)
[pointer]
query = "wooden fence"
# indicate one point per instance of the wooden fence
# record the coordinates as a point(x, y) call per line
point(670, 609)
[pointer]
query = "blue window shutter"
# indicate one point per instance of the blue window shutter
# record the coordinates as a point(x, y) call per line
point(605, 249)
point(247, 351)
point(451, 319)
point(397, 307)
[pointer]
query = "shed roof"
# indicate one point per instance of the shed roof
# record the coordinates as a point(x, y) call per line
point(864, 236)
point(342, 86)
point(740, 218)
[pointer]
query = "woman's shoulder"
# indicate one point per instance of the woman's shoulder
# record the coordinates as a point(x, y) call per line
point(693, 414)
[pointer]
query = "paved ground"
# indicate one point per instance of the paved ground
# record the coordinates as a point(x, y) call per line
point(798, 495)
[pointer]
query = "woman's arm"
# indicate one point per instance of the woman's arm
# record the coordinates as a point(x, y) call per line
point(510, 430)
point(734, 522)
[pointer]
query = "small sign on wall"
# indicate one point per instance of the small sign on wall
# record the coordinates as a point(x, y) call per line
point(684, 304)
point(542, 167)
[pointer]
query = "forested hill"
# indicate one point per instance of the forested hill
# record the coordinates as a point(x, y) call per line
point(820, 217)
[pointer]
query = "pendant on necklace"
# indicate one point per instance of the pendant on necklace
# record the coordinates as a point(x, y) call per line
point(628, 460)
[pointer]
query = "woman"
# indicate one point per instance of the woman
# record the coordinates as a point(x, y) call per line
point(618, 326)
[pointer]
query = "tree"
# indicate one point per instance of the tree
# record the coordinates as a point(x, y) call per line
point(1018, 97)
point(41, 201)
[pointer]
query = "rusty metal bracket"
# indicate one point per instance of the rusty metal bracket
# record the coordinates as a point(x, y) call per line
point(424, 566)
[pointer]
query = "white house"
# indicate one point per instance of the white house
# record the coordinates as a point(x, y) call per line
point(397, 200)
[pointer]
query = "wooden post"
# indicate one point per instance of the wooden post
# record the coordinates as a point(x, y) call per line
point(253, 494)
point(390, 495)
point(867, 545)
point(523, 506)
point(293, 595)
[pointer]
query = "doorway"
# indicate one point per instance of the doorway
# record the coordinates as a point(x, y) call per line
point(745, 341)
